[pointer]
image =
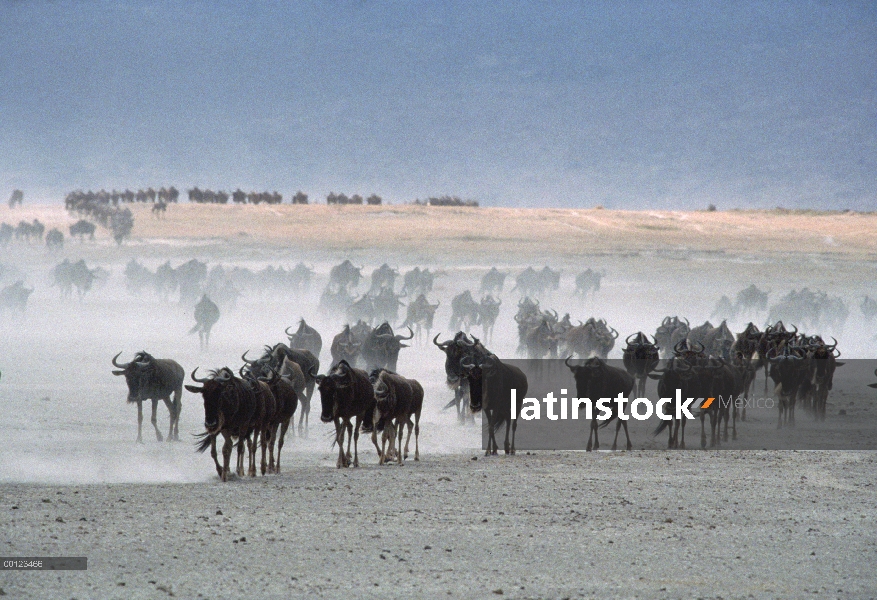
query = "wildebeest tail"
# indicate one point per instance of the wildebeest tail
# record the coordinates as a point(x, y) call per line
point(203, 441)
point(607, 421)
point(661, 427)
point(195, 328)
point(453, 402)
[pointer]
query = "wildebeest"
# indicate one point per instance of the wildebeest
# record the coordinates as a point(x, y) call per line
point(14, 297)
point(455, 349)
point(6, 233)
point(588, 281)
point(717, 341)
point(490, 385)
point(398, 403)
point(418, 282)
point(306, 338)
point(420, 316)
point(465, 311)
point(382, 278)
point(594, 337)
point(671, 331)
point(67, 275)
point(343, 275)
point(594, 380)
point(17, 197)
point(488, 312)
point(492, 282)
point(362, 309)
point(155, 379)
point(380, 350)
point(206, 316)
point(386, 306)
point(231, 409)
point(274, 357)
point(54, 239)
point(348, 400)
point(640, 357)
point(346, 346)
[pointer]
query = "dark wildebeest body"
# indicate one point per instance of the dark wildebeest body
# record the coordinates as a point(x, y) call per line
point(384, 277)
point(348, 400)
point(594, 380)
point(398, 400)
point(671, 331)
point(380, 350)
point(14, 297)
point(493, 281)
point(154, 379)
point(681, 373)
point(640, 357)
point(206, 316)
point(488, 312)
point(490, 386)
point(465, 311)
point(263, 426)
point(231, 409)
point(345, 346)
point(455, 350)
point(308, 363)
point(306, 338)
point(587, 282)
point(420, 316)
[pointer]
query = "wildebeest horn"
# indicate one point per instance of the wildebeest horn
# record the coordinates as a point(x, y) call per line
point(198, 380)
point(286, 331)
point(566, 361)
point(443, 345)
point(627, 341)
point(614, 333)
point(400, 338)
point(702, 347)
point(665, 321)
point(687, 324)
point(466, 365)
point(244, 358)
point(115, 364)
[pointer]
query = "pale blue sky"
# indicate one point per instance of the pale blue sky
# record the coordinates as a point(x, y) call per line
point(625, 104)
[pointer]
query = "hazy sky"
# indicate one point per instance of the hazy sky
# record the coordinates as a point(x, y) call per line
point(629, 105)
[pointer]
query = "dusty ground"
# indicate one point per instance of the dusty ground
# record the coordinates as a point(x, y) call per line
point(557, 524)
point(550, 525)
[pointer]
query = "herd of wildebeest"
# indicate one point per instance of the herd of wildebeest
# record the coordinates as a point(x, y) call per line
point(361, 392)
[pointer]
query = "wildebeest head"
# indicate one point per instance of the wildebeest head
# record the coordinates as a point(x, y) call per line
point(385, 398)
point(456, 349)
point(211, 390)
point(332, 385)
point(137, 374)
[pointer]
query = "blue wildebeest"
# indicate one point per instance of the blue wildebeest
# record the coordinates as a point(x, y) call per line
point(154, 379)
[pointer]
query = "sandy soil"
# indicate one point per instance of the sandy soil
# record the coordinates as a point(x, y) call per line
point(553, 524)
point(550, 525)
point(460, 232)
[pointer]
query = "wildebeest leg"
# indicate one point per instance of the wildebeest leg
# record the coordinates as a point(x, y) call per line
point(155, 420)
point(251, 453)
point(240, 463)
point(226, 456)
point(178, 408)
point(379, 449)
point(213, 454)
point(170, 409)
point(355, 441)
point(681, 439)
point(140, 421)
point(627, 435)
point(339, 439)
point(401, 427)
point(283, 427)
point(264, 444)
point(273, 437)
point(590, 435)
